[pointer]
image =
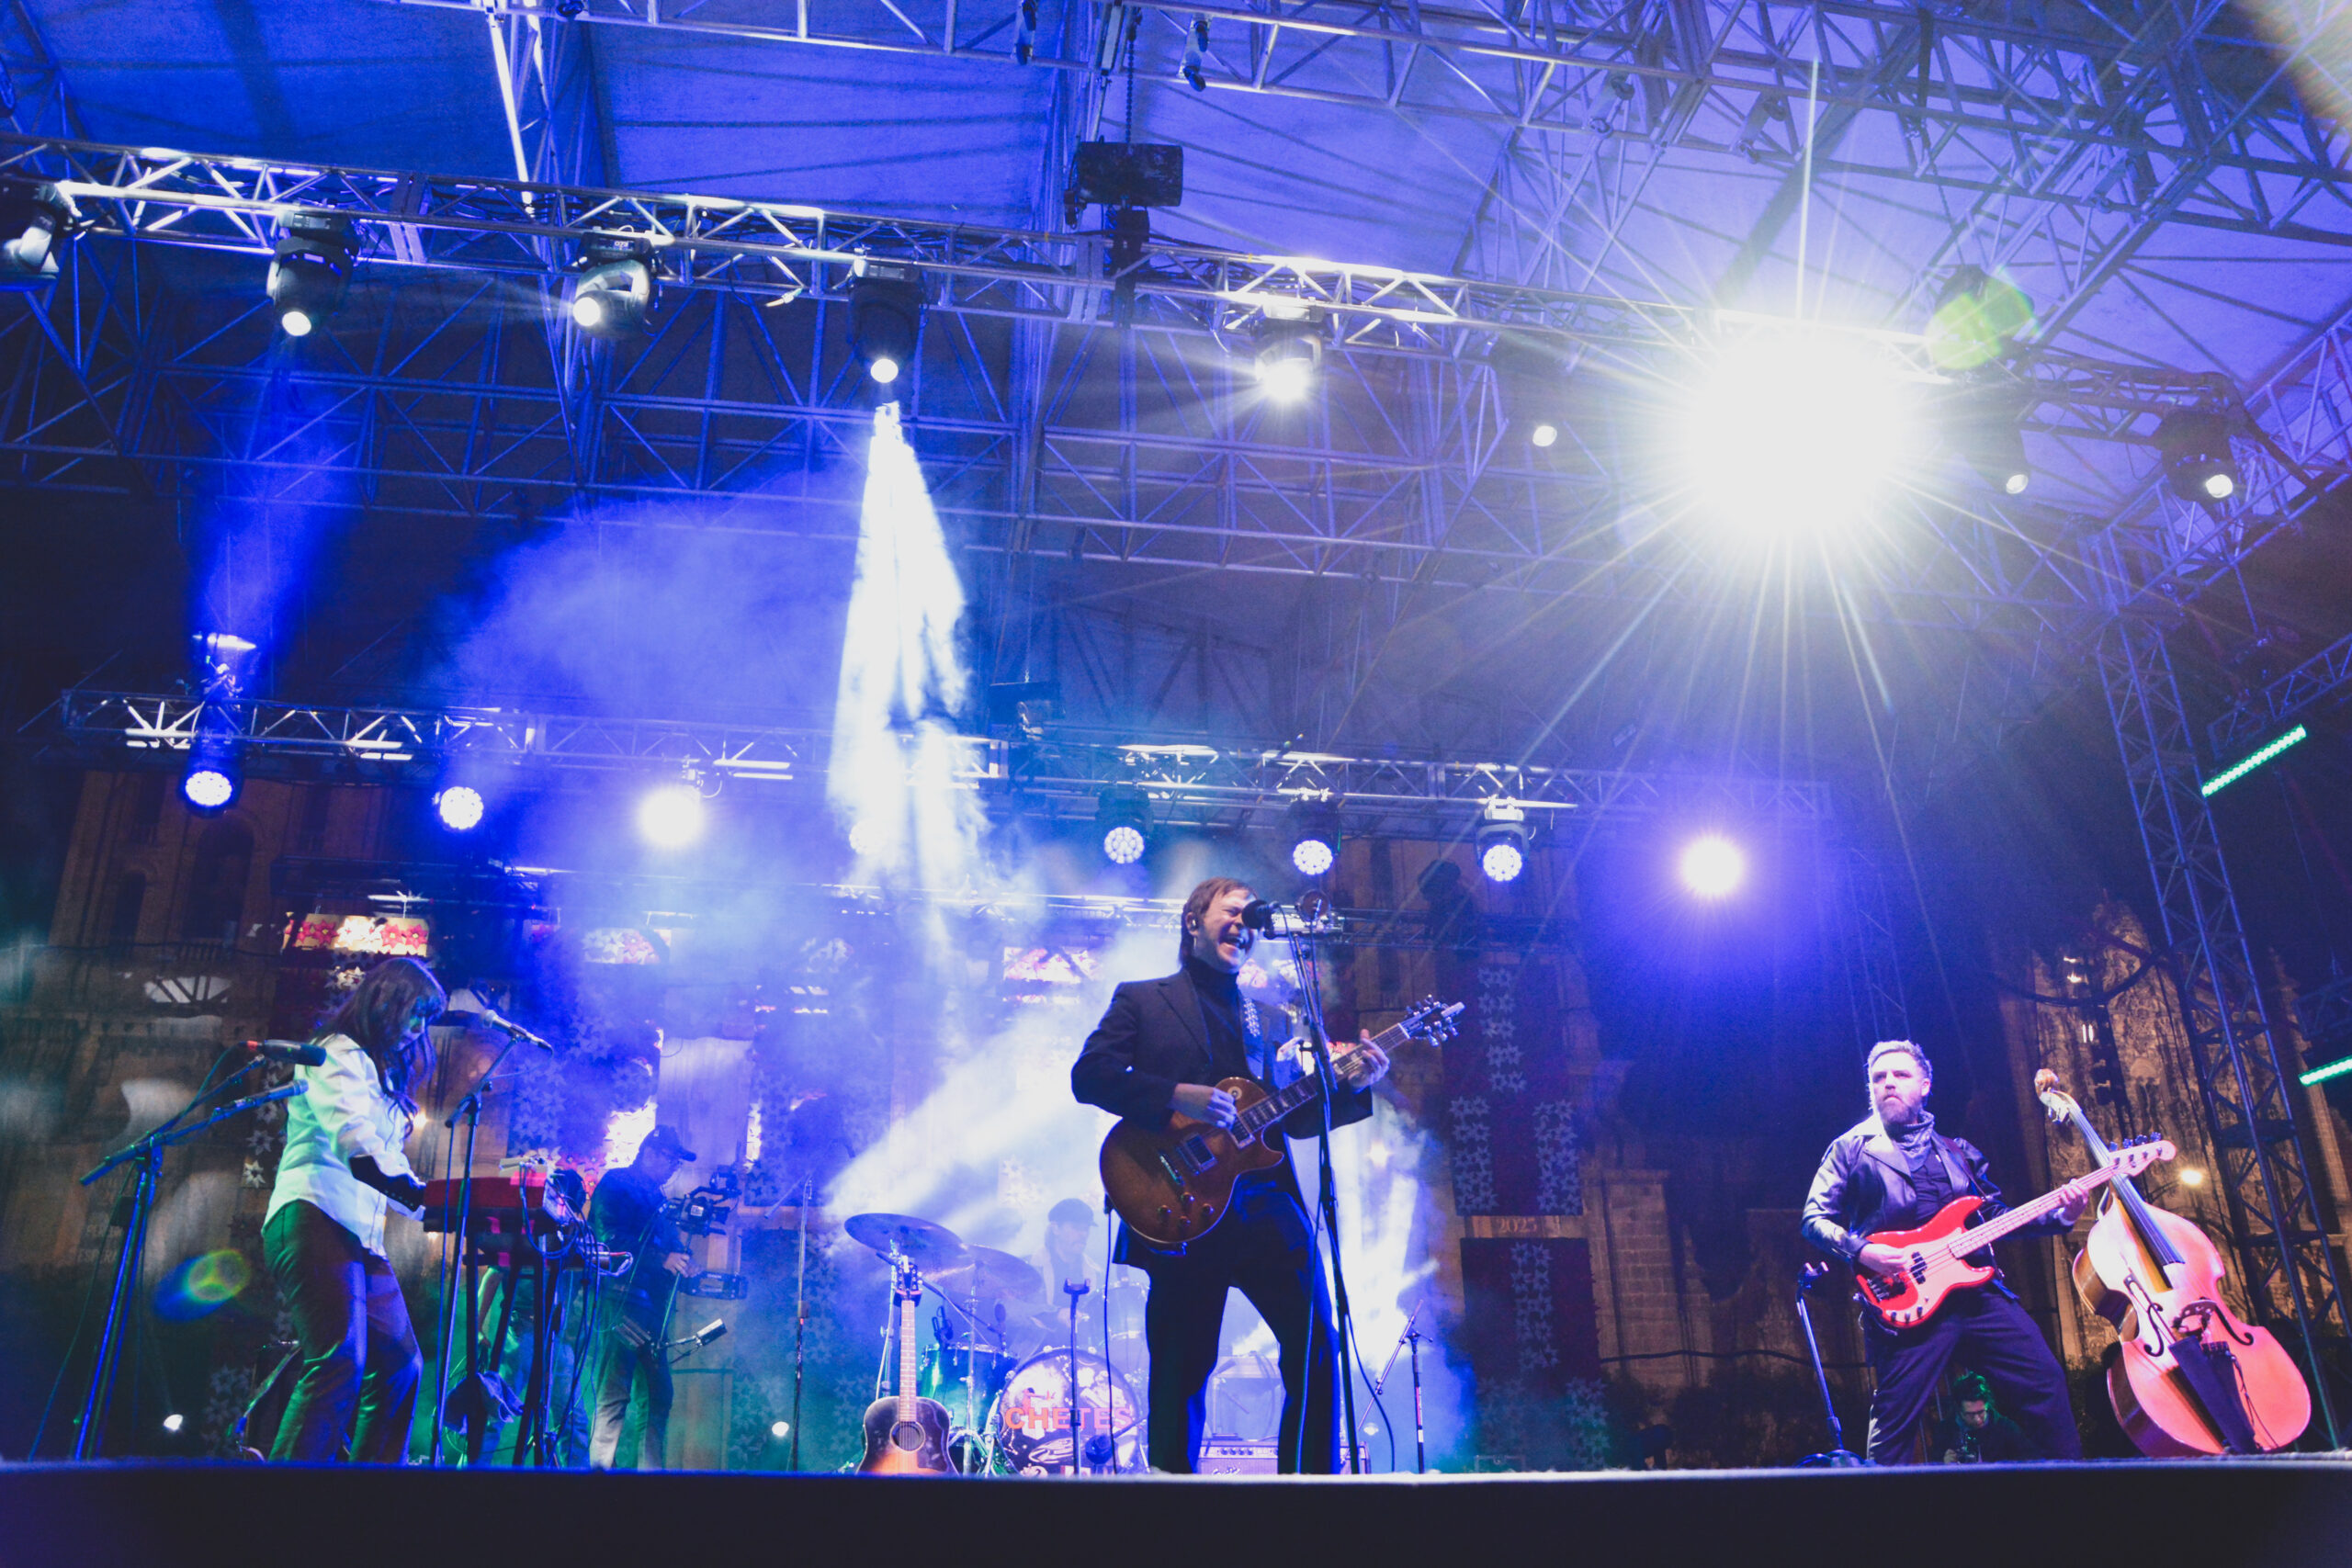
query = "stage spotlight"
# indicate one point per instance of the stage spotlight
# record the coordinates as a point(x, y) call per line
point(670, 816)
point(615, 290)
point(1289, 350)
point(885, 319)
point(209, 787)
point(459, 806)
point(1978, 319)
point(1981, 424)
point(174, 1422)
point(1313, 826)
point(779, 1430)
point(34, 220)
point(1531, 379)
point(1123, 816)
point(1712, 866)
point(1792, 431)
point(1502, 841)
point(310, 270)
point(2198, 461)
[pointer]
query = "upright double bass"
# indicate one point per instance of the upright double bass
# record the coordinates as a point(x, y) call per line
point(2193, 1378)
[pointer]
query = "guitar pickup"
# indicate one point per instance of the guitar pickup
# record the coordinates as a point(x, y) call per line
point(1196, 1150)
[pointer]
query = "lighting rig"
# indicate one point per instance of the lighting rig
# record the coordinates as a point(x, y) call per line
point(310, 269)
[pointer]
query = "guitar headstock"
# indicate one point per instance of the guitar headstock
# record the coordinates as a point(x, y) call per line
point(906, 1279)
point(1431, 1021)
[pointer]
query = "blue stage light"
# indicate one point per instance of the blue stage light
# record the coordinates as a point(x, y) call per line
point(672, 816)
point(1502, 841)
point(1502, 863)
point(1313, 857)
point(209, 787)
point(1714, 867)
point(459, 807)
point(1313, 827)
point(1123, 845)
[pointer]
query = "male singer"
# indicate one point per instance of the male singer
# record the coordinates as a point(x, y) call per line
point(1893, 1171)
point(1163, 1046)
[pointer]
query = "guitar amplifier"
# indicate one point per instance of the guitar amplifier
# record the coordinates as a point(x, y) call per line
point(1233, 1456)
point(1229, 1456)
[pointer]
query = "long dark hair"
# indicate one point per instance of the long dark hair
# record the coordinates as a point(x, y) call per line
point(375, 1015)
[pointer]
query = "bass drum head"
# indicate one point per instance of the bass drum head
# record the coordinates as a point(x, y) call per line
point(1030, 1424)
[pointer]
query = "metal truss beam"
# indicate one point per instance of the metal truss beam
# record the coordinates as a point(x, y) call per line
point(1189, 785)
point(1948, 95)
point(425, 396)
point(2263, 713)
point(2291, 1271)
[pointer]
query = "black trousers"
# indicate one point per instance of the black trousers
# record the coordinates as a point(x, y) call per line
point(1264, 1247)
point(1986, 1331)
point(360, 1364)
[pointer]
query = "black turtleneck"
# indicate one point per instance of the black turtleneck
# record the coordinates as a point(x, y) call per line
point(1220, 996)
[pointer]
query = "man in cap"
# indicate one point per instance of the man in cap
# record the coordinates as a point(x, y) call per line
point(630, 1214)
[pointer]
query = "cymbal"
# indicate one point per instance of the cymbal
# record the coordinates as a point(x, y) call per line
point(991, 1275)
point(933, 1249)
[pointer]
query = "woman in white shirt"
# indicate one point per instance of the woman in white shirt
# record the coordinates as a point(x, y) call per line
point(344, 1165)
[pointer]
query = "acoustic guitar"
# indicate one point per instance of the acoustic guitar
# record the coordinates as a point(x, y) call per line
point(1171, 1183)
point(1935, 1256)
point(906, 1434)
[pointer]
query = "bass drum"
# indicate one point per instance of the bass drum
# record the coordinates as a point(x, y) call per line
point(1030, 1425)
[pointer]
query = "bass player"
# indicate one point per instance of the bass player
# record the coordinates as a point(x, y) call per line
point(1893, 1172)
point(1163, 1046)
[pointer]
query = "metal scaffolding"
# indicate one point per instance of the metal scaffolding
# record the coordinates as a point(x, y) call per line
point(2244, 1070)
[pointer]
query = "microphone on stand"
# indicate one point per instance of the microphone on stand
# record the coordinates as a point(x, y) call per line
point(301, 1055)
point(490, 1018)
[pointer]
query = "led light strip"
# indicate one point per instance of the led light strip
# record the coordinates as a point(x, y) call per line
point(2231, 774)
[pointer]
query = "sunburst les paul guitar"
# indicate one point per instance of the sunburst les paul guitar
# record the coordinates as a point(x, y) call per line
point(1171, 1183)
point(1935, 1256)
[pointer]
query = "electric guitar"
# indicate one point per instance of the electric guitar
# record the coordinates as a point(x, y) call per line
point(1936, 1255)
point(1171, 1183)
point(906, 1434)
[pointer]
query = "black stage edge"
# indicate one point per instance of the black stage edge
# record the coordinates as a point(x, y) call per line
point(2285, 1512)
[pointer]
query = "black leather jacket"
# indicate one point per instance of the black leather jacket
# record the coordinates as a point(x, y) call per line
point(1864, 1187)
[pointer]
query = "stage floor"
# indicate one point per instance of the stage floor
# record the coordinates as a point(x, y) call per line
point(2286, 1512)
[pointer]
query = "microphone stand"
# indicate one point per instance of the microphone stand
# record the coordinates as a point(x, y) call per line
point(470, 1109)
point(1310, 991)
point(1836, 1453)
point(148, 1154)
point(800, 1313)
point(1075, 1289)
point(1411, 1339)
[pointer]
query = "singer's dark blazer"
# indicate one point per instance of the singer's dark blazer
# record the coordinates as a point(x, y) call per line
point(1152, 1038)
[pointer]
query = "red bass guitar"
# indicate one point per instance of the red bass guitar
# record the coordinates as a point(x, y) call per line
point(1935, 1256)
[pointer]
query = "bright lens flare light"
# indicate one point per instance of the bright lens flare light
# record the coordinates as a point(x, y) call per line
point(1312, 856)
point(883, 369)
point(1286, 380)
point(1123, 845)
point(1794, 432)
point(671, 818)
point(295, 324)
point(1714, 867)
point(587, 311)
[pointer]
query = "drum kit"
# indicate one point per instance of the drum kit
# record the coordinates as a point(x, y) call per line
point(1012, 1367)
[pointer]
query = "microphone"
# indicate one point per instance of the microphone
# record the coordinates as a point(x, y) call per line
point(287, 1051)
point(1259, 916)
point(490, 1018)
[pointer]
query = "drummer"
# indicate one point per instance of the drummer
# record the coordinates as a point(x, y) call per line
point(1069, 1235)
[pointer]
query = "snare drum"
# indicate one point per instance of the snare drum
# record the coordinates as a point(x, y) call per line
point(1030, 1425)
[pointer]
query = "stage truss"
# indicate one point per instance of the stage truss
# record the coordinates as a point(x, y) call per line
point(2074, 147)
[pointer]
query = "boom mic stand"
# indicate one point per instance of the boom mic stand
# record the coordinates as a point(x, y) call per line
point(1412, 1338)
point(148, 1154)
point(470, 1109)
point(1310, 992)
point(1836, 1453)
